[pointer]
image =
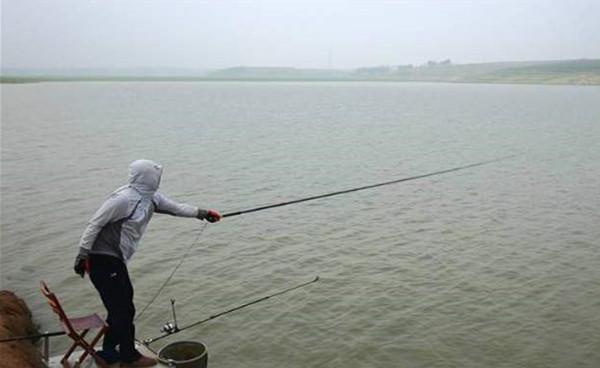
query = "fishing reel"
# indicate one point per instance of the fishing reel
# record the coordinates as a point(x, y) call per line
point(171, 327)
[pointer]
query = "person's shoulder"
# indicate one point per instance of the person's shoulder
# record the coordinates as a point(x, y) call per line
point(123, 196)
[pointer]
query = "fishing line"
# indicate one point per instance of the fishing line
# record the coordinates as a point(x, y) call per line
point(172, 272)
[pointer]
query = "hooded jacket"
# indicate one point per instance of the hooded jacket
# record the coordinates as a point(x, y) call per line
point(118, 225)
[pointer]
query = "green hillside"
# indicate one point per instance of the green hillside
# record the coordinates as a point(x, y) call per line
point(563, 72)
point(536, 72)
point(573, 72)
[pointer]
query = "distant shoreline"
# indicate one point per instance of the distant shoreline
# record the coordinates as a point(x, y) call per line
point(32, 80)
point(564, 72)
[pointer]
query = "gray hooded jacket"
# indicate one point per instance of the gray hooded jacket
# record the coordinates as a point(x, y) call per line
point(118, 225)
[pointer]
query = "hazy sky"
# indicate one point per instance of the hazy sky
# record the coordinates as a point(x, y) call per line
point(341, 34)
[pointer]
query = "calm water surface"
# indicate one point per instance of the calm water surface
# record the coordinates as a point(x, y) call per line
point(498, 266)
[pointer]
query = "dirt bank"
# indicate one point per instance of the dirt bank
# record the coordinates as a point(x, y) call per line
point(15, 320)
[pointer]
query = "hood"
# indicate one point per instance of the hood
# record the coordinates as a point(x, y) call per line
point(144, 176)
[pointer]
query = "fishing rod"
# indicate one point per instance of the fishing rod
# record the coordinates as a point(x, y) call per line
point(171, 329)
point(32, 337)
point(446, 171)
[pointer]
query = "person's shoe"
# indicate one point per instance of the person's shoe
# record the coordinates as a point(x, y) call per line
point(108, 356)
point(142, 361)
point(100, 362)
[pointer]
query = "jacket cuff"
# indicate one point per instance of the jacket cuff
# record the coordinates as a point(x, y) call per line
point(201, 214)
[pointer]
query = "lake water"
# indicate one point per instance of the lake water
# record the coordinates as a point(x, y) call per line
point(495, 266)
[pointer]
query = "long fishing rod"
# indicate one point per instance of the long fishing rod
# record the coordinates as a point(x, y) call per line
point(256, 209)
point(176, 329)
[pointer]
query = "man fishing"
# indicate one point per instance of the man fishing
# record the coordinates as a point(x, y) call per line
point(108, 243)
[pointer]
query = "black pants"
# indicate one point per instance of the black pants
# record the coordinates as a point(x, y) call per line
point(110, 277)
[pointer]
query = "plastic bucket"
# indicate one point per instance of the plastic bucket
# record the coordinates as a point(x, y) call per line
point(184, 354)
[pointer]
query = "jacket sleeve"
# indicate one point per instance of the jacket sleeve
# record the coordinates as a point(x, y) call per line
point(114, 208)
point(164, 204)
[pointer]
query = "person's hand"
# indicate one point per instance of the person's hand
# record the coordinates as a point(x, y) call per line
point(81, 264)
point(213, 216)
